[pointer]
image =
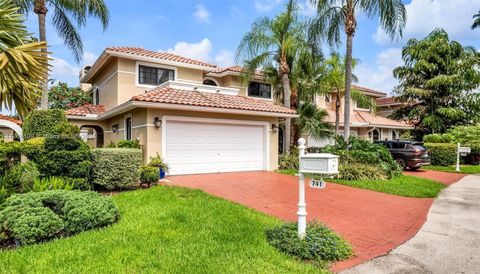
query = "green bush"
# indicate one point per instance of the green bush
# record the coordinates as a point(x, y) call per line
point(355, 171)
point(10, 155)
point(41, 123)
point(149, 175)
point(289, 161)
point(437, 138)
point(442, 154)
point(157, 161)
point(51, 183)
point(128, 144)
point(37, 216)
point(320, 243)
point(115, 168)
point(20, 178)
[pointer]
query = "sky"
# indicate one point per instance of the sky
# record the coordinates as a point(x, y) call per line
point(210, 30)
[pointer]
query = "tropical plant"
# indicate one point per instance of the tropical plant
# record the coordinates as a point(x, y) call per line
point(22, 64)
point(332, 15)
point(61, 96)
point(311, 121)
point(272, 44)
point(65, 15)
point(157, 161)
point(476, 20)
point(437, 83)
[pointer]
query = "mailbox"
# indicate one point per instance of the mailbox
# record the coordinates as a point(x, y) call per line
point(319, 163)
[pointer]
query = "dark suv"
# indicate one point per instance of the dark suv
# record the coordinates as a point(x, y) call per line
point(408, 153)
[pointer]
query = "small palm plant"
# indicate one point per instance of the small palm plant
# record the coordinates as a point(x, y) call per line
point(157, 161)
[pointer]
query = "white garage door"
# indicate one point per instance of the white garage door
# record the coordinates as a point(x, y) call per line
point(204, 147)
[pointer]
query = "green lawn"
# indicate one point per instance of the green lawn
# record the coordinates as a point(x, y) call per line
point(407, 186)
point(463, 169)
point(164, 230)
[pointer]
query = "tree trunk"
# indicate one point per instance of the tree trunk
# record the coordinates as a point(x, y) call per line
point(348, 83)
point(288, 121)
point(41, 10)
point(337, 114)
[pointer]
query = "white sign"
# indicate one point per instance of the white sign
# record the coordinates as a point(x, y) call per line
point(317, 183)
point(464, 150)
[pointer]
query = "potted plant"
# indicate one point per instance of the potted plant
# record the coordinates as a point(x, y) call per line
point(157, 161)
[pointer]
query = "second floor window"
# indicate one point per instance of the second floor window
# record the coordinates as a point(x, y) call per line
point(261, 90)
point(128, 128)
point(97, 96)
point(363, 105)
point(154, 76)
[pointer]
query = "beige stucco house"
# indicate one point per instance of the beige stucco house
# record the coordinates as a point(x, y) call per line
point(199, 117)
point(364, 123)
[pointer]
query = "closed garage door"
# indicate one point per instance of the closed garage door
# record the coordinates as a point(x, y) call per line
point(211, 147)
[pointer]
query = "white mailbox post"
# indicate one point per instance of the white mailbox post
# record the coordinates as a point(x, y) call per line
point(316, 163)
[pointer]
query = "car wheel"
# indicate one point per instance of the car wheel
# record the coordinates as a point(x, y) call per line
point(414, 168)
point(401, 162)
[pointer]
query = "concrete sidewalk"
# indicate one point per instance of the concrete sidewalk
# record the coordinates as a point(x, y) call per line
point(449, 242)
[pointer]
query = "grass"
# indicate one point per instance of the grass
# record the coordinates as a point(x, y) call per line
point(467, 169)
point(164, 230)
point(407, 186)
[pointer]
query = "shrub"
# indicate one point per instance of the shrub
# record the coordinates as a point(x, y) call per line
point(51, 183)
point(355, 171)
point(149, 175)
point(319, 244)
point(289, 161)
point(115, 168)
point(41, 123)
point(128, 144)
point(157, 161)
point(20, 178)
point(442, 154)
point(437, 138)
point(10, 154)
point(37, 216)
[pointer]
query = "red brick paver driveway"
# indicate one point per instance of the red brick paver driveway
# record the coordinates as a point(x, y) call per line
point(373, 222)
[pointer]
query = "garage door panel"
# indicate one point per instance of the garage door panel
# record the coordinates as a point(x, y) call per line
point(193, 147)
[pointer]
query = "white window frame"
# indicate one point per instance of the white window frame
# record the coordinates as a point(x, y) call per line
point(125, 126)
point(261, 98)
point(153, 65)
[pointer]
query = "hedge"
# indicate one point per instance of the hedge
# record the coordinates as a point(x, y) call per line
point(442, 154)
point(116, 168)
point(38, 216)
point(41, 123)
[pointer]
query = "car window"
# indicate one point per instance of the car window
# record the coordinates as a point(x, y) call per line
point(398, 145)
point(419, 147)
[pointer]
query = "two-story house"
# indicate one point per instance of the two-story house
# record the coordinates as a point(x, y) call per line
point(364, 123)
point(200, 118)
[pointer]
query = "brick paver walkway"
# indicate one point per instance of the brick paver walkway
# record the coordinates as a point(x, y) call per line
point(446, 178)
point(373, 222)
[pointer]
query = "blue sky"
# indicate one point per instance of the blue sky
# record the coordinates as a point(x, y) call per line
point(210, 30)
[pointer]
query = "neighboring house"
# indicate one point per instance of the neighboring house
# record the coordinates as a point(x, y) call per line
point(387, 105)
point(200, 118)
point(9, 128)
point(364, 123)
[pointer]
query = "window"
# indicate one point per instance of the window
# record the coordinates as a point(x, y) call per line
point(96, 93)
point(128, 128)
point(260, 90)
point(394, 134)
point(376, 135)
point(363, 105)
point(154, 76)
point(209, 82)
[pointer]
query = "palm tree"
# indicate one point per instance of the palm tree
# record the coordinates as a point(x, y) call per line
point(22, 63)
point(274, 43)
point(332, 15)
point(311, 121)
point(476, 22)
point(64, 12)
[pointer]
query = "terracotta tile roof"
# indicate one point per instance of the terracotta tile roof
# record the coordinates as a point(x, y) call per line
point(85, 110)
point(367, 118)
point(387, 101)
point(168, 95)
point(159, 55)
point(10, 119)
point(364, 89)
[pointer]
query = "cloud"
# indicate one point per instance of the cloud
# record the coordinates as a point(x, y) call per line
point(424, 16)
point(61, 68)
point(89, 58)
point(199, 51)
point(379, 76)
point(307, 8)
point(266, 5)
point(202, 14)
point(224, 58)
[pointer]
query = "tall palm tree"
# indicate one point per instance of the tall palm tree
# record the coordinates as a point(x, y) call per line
point(65, 15)
point(22, 63)
point(476, 20)
point(274, 43)
point(332, 15)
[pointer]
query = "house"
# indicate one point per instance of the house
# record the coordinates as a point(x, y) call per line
point(199, 117)
point(364, 123)
point(10, 129)
point(387, 105)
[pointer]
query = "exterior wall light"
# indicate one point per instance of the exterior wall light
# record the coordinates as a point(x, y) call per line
point(157, 122)
point(275, 127)
point(115, 128)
